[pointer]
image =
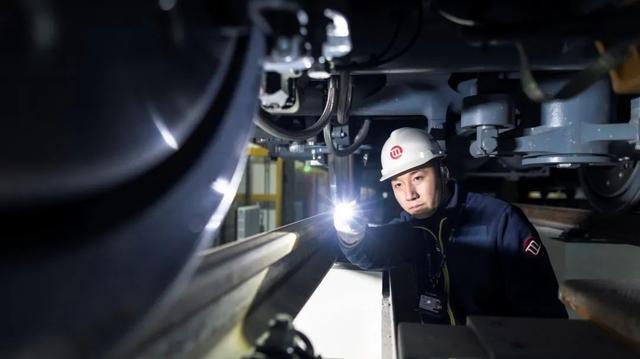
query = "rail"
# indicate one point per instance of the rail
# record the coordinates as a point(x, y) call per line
point(238, 287)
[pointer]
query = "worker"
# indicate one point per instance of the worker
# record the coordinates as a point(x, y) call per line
point(472, 254)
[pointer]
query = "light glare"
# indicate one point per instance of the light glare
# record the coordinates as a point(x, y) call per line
point(343, 213)
point(221, 185)
point(166, 134)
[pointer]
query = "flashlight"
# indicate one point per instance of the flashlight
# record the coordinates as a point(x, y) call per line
point(343, 214)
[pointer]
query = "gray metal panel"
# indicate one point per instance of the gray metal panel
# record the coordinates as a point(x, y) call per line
point(487, 110)
point(545, 338)
point(613, 304)
point(573, 131)
point(248, 222)
point(419, 341)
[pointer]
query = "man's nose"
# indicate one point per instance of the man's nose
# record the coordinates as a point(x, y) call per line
point(411, 193)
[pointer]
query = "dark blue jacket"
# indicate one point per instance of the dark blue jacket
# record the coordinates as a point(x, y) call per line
point(494, 259)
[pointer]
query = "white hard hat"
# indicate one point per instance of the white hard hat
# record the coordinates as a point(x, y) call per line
point(405, 149)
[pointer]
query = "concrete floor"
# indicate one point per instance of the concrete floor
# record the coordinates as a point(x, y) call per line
point(343, 316)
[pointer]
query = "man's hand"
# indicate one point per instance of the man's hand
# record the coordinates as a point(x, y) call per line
point(350, 225)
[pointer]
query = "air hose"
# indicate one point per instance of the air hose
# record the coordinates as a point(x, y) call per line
point(263, 120)
point(341, 152)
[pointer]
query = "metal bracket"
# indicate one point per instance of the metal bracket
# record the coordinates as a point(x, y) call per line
point(572, 132)
point(340, 135)
point(576, 132)
point(288, 58)
point(338, 42)
point(284, 100)
point(291, 55)
point(489, 115)
point(486, 143)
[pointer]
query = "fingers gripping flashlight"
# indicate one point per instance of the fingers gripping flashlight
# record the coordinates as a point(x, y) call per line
point(343, 214)
point(349, 224)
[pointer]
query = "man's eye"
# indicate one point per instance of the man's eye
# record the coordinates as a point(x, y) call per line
point(396, 185)
point(418, 178)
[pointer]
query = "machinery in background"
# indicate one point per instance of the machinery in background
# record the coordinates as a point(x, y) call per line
point(125, 128)
point(248, 222)
point(261, 187)
point(510, 91)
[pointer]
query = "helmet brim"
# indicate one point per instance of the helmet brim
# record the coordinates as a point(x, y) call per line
point(409, 166)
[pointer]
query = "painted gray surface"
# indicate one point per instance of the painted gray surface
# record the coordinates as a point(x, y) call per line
point(544, 338)
point(574, 131)
point(590, 260)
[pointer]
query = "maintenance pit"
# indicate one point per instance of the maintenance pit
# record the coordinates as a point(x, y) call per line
point(349, 313)
point(170, 172)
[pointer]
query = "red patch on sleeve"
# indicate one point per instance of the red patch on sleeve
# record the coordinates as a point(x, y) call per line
point(532, 246)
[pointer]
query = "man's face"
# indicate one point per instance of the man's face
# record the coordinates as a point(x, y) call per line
point(418, 190)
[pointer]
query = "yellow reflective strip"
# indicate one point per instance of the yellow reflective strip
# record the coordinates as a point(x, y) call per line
point(452, 318)
point(445, 270)
point(428, 230)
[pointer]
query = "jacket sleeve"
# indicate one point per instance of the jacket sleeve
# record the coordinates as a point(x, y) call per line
point(382, 247)
point(529, 280)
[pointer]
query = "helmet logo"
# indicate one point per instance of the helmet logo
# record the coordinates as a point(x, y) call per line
point(396, 152)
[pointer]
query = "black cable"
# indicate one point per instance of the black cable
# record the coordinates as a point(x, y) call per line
point(579, 82)
point(344, 98)
point(255, 9)
point(394, 38)
point(262, 120)
point(374, 59)
point(411, 42)
point(344, 105)
point(402, 51)
point(357, 141)
point(452, 17)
